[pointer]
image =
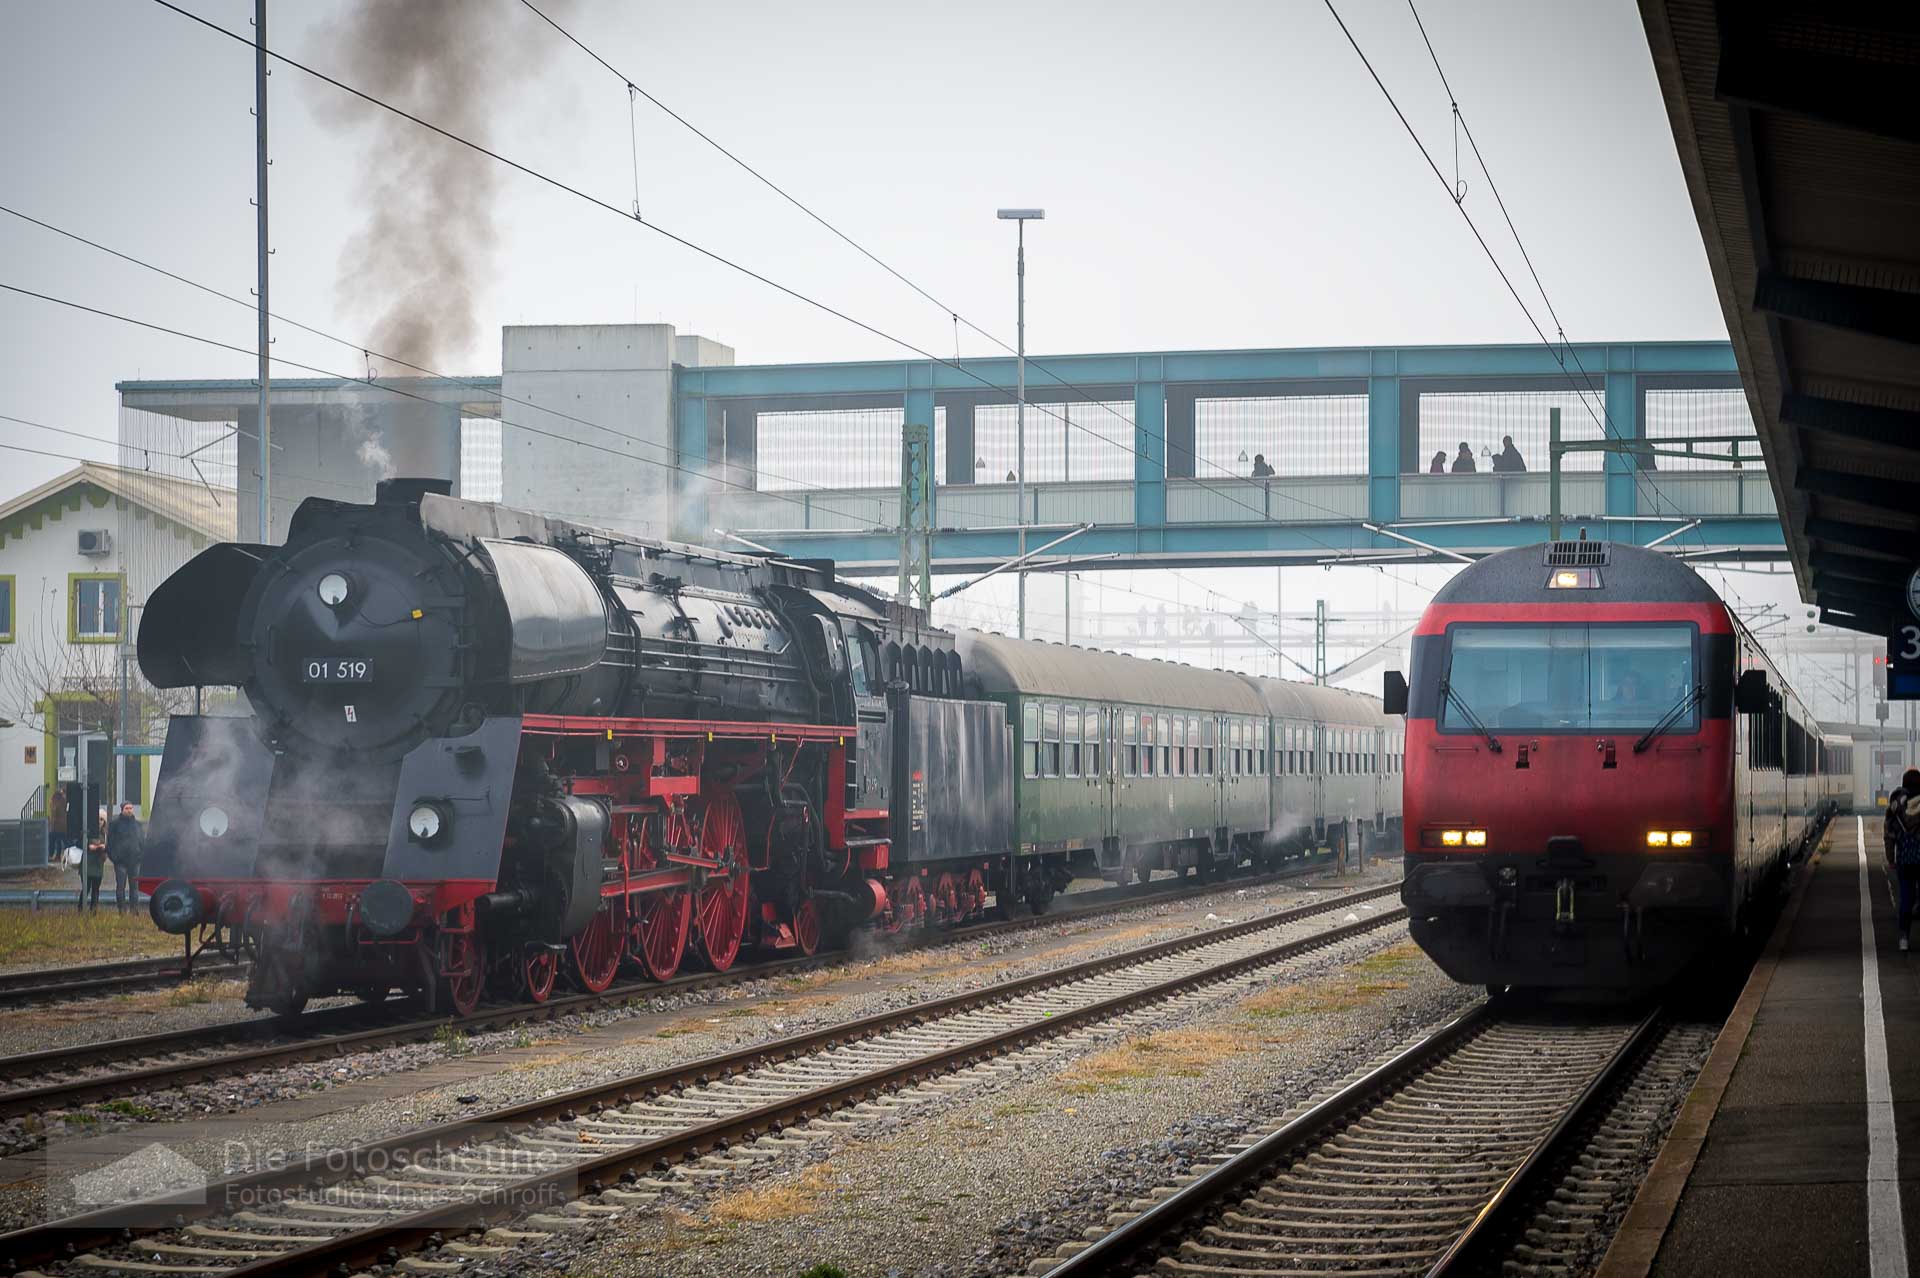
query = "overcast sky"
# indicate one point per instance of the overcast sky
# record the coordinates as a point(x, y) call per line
point(1215, 175)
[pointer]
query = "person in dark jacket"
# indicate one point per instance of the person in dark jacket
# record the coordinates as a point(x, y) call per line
point(1260, 468)
point(126, 844)
point(1508, 460)
point(1463, 462)
point(93, 866)
point(1439, 466)
point(1901, 833)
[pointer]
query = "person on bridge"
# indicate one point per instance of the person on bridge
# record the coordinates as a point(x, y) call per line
point(1463, 463)
point(1901, 833)
point(1439, 466)
point(1260, 468)
point(1508, 460)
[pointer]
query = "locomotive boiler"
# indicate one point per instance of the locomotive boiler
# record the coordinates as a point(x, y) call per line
point(487, 747)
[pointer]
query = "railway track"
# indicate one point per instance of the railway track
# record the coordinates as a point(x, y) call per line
point(64, 1077)
point(524, 1166)
point(1436, 1162)
point(55, 985)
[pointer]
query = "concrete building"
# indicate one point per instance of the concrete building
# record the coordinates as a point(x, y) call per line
point(78, 556)
point(580, 423)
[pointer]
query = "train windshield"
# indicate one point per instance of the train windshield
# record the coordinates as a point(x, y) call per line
point(1572, 676)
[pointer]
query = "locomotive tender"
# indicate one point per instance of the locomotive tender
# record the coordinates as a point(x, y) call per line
point(487, 747)
point(1604, 770)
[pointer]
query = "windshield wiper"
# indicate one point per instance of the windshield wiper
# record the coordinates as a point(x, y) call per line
point(1466, 712)
point(1671, 717)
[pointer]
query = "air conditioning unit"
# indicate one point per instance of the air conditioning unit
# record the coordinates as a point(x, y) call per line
point(95, 542)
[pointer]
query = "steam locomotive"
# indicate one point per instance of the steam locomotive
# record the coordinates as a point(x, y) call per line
point(487, 749)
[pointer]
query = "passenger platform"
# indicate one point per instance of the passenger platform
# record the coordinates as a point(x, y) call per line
point(1798, 1151)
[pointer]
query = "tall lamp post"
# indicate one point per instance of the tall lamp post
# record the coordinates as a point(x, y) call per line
point(1021, 217)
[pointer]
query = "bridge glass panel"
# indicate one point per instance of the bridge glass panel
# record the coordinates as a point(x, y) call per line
point(831, 448)
point(1483, 418)
point(1298, 435)
point(1675, 416)
point(1078, 442)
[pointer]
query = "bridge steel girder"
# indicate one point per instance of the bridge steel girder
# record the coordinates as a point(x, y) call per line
point(1388, 375)
point(1239, 545)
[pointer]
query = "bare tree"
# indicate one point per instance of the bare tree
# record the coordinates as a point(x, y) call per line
point(50, 683)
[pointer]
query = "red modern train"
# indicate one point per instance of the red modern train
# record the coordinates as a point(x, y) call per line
point(1604, 772)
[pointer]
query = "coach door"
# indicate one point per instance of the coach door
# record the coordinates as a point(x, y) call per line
point(1110, 771)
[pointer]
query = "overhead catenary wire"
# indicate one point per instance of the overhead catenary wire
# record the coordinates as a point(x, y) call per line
point(1038, 365)
point(1604, 420)
point(717, 257)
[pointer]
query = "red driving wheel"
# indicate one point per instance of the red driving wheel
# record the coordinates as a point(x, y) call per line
point(539, 968)
point(806, 927)
point(720, 904)
point(661, 923)
point(462, 961)
point(596, 947)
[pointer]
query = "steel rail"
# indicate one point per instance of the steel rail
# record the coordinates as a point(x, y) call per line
point(1140, 1242)
point(69, 1236)
point(47, 984)
point(330, 1032)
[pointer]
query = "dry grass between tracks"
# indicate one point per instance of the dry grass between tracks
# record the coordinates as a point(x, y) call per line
point(783, 1200)
point(54, 938)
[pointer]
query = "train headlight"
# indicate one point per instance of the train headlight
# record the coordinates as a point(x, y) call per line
point(1683, 838)
point(1658, 838)
point(1476, 838)
point(213, 822)
point(426, 823)
point(333, 590)
point(1452, 838)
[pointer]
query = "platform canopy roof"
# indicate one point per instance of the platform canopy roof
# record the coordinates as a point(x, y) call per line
point(1798, 129)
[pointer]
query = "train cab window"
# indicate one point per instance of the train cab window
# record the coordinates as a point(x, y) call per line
point(1130, 743)
point(1166, 750)
point(1070, 731)
point(1030, 739)
point(1050, 735)
point(861, 659)
point(1570, 676)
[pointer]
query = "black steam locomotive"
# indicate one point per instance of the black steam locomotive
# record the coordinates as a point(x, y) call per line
point(486, 746)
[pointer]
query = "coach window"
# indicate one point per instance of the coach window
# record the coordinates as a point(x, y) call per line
point(1071, 731)
point(1091, 726)
point(1050, 734)
point(1260, 730)
point(1030, 738)
point(1179, 745)
point(1193, 746)
point(1146, 744)
point(1130, 742)
point(1166, 749)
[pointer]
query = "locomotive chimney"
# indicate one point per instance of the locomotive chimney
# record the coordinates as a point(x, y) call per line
point(409, 491)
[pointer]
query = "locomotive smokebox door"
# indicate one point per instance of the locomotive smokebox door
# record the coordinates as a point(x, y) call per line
point(953, 779)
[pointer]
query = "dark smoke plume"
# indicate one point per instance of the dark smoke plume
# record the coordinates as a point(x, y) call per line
point(417, 266)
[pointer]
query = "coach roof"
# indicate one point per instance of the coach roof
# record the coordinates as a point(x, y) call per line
point(1628, 574)
point(1005, 665)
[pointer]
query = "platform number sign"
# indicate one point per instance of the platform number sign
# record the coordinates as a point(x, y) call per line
point(1903, 650)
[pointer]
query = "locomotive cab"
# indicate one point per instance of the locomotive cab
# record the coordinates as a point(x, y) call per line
point(1580, 799)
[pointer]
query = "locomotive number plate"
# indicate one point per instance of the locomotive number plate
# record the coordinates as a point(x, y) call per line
point(336, 670)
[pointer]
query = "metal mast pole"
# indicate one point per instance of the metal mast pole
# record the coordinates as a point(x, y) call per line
point(1020, 413)
point(260, 219)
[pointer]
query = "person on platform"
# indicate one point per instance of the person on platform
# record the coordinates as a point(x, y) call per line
point(93, 866)
point(126, 844)
point(1260, 468)
point(1508, 460)
point(1439, 466)
point(1463, 461)
point(56, 822)
point(1901, 833)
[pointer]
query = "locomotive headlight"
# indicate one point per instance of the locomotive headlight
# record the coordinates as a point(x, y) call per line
point(213, 822)
point(426, 822)
point(1660, 838)
point(1476, 838)
point(1683, 838)
point(1452, 838)
point(333, 590)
